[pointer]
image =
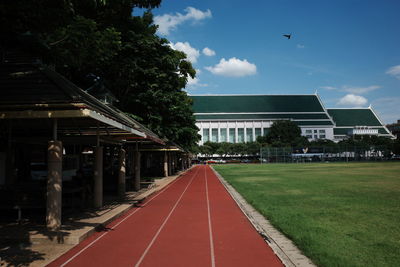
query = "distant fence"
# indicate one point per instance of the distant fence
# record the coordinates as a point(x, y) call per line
point(315, 154)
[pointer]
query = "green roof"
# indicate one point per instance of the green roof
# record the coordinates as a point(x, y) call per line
point(320, 116)
point(354, 117)
point(256, 103)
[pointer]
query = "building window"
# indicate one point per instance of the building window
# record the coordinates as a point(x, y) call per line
point(222, 137)
point(309, 136)
point(315, 131)
point(321, 131)
point(266, 130)
point(249, 134)
point(308, 131)
point(232, 136)
point(214, 135)
point(206, 135)
point(240, 135)
point(322, 136)
point(315, 136)
point(257, 132)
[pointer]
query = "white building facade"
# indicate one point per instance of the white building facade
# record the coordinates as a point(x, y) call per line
point(243, 118)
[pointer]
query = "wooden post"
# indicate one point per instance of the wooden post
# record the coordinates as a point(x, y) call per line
point(98, 177)
point(137, 168)
point(54, 185)
point(165, 164)
point(121, 173)
point(169, 163)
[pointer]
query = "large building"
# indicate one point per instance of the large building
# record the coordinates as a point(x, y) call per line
point(242, 118)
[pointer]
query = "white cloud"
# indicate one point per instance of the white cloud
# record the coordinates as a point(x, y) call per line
point(394, 71)
point(360, 90)
point(233, 67)
point(192, 81)
point(300, 46)
point(352, 100)
point(168, 22)
point(208, 52)
point(328, 87)
point(353, 89)
point(388, 108)
point(191, 53)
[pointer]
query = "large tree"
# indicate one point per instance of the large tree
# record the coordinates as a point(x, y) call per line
point(103, 38)
point(284, 133)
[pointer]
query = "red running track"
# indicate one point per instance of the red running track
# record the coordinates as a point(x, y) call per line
point(192, 222)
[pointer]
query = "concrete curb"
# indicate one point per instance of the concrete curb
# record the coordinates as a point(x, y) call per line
point(283, 247)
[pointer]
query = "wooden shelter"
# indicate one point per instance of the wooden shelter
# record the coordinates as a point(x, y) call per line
point(57, 140)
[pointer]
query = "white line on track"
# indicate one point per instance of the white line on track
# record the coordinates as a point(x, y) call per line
point(115, 226)
point(165, 222)
point(209, 221)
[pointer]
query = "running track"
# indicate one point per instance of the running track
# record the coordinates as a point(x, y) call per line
point(192, 222)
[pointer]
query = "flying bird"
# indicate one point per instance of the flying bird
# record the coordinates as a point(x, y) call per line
point(288, 35)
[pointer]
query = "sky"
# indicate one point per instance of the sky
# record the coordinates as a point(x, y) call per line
point(345, 50)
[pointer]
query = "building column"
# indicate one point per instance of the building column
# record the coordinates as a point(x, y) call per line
point(54, 185)
point(165, 164)
point(121, 173)
point(236, 132)
point(137, 161)
point(98, 177)
point(254, 132)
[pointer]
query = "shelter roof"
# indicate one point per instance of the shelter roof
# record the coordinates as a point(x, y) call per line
point(31, 90)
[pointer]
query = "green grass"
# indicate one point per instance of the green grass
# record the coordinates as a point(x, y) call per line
point(338, 214)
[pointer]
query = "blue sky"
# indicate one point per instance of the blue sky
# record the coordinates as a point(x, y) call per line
point(347, 50)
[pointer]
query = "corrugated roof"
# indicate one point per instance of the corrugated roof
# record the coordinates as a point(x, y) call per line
point(256, 103)
point(32, 86)
point(354, 117)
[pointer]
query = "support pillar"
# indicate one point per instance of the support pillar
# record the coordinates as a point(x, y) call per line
point(98, 177)
point(169, 164)
point(54, 185)
point(165, 164)
point(174, 163)
point(121, 173)
point(184, 162)
point(136, 156)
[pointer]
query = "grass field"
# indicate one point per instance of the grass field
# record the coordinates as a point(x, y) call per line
point(338, 214)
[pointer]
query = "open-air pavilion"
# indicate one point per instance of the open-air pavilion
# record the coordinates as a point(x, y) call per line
point(62, 147)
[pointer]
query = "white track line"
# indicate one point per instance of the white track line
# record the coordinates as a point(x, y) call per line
point(112, 228)
point(209, 222)
point(165, 222)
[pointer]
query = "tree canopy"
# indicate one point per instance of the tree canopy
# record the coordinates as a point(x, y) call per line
point(285, 133)
point(102, 37)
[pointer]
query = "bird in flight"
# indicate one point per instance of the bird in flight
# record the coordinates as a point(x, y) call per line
point(288, 35)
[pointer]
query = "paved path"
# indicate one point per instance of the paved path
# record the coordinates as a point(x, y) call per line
point(192, 222)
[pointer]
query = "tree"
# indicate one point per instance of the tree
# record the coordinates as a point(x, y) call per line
point(103, 38)
point(284, 133)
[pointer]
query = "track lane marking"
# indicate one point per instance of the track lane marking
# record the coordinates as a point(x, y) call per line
point(115, 226)
point(209, 222)
point(165, 222)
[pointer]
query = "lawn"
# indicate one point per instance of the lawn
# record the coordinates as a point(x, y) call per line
point(338, 214)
